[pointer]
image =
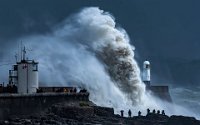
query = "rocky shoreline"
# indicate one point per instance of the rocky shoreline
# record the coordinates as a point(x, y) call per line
point(86, 113)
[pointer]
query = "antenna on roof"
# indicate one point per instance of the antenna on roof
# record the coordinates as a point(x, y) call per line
point(16, 55)
point(21, 49)
point(24, 53)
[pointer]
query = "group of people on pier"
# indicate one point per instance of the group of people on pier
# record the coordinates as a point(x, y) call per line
point(140, 113)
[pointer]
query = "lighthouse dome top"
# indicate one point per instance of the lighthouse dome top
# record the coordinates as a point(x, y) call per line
point(146, 63)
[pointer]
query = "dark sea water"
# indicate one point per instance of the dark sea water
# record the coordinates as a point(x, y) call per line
point(187, 97)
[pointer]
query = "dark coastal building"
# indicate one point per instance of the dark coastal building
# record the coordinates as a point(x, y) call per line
point(23, 95)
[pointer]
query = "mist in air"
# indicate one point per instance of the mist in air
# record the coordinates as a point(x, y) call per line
point(88, 50)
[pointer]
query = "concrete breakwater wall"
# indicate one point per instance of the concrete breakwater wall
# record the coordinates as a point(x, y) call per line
point(26, 104)
point(161, 92)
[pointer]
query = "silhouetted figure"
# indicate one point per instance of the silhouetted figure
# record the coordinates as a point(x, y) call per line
point(154, 111)
point(163, 112)
point(139, 113)
point(158, 112)
point(129, 113)
point(122, 113)
point(75, 90)
point(83, 91)
point(148, 111)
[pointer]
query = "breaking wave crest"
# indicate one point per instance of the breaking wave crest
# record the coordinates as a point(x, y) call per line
point(112, 48)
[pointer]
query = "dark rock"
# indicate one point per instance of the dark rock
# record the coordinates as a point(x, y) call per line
point(182, 120)
point(103, 111)
point(85, 113)
point(157, 117)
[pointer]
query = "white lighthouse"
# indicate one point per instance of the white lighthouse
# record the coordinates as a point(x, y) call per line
point(24, 75)
point(146, 73)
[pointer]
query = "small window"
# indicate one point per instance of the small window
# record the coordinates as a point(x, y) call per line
point(15, 67)
point(35, 67)
point(147, 66)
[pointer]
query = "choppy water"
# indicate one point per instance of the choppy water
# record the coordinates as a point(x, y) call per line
point(187, 97)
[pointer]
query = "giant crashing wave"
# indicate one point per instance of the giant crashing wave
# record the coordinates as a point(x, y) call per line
point(90, 42)
point(110, 46)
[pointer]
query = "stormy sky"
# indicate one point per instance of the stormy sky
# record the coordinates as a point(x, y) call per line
point(164, 32)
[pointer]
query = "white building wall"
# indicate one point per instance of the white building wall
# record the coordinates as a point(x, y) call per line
point(27, 78)
point(22, 78)
point(32, 79)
